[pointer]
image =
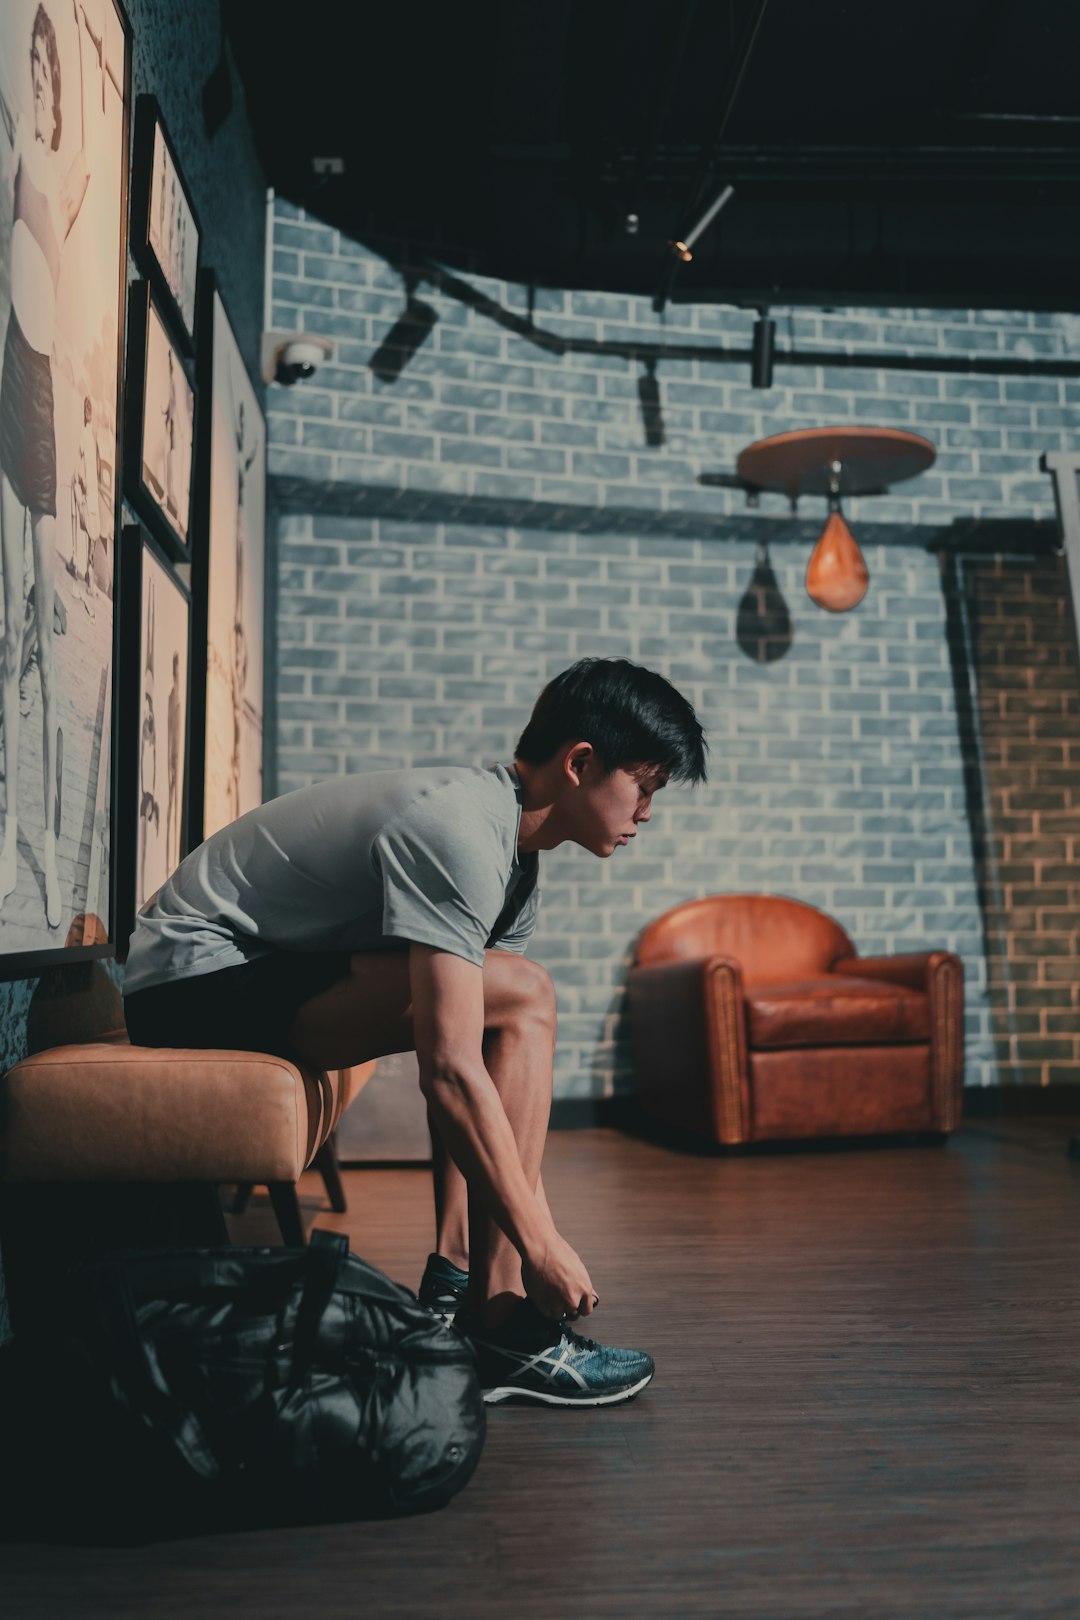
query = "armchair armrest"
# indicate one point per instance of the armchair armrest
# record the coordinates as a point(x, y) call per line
point(688, 1024)
point(940, 974)
point(914, 970)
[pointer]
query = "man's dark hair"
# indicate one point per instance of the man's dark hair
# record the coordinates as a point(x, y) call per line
point(631, 715)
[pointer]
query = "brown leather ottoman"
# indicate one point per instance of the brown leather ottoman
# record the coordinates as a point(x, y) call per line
point(106, 1145)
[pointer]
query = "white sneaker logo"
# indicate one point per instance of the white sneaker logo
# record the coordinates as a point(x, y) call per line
point(545, 1362)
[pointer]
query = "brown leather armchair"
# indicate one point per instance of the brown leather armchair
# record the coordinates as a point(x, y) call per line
point(752, 1017)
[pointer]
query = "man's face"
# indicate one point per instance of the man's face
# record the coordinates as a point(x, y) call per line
point(612, 808)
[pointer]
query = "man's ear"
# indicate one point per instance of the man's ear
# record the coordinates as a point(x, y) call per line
point(581, 757)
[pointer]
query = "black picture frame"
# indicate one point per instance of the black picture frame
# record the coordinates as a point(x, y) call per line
point(159, 426)
point(84, 357)
point(228, 576)
point(153, 724)
point(166, 236)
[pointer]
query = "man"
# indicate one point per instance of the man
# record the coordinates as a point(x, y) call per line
point(386, 913)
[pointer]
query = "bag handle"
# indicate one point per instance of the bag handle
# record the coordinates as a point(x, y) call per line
point(153, 1401)
point(327, 1252)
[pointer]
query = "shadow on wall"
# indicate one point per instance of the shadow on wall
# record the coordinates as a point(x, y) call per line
point(408, 333)
point(652, 416)
point(763, 627)
point(611, 1064)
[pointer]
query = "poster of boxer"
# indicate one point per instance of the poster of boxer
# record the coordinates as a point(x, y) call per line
point(64, 96)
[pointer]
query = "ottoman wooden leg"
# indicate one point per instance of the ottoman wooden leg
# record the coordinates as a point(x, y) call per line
point(326, 1163)
point(287, 1209)
point(284, 1199)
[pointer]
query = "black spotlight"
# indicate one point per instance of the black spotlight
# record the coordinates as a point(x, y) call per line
point(761, 354)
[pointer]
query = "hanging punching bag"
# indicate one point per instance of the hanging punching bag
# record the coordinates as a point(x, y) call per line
point(836, 575)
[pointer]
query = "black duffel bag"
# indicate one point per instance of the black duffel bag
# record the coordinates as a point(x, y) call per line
point(247, 1386)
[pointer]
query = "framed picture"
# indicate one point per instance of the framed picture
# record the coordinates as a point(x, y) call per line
point(165, 233)
point(228, 570)
point(159, 417)
point(152, 725)
point(64, 121)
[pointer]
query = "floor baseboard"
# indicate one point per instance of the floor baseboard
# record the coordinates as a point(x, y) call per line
point(979, 1102)
point(1019, 1102)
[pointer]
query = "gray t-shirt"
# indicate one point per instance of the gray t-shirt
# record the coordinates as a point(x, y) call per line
point(357, 863)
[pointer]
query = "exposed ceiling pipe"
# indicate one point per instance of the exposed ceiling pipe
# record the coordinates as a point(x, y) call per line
point(454, 286)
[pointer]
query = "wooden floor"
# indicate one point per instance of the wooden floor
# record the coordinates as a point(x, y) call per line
point(866, 1404)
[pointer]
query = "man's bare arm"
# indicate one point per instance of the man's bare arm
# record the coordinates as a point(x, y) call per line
point(448, 1021)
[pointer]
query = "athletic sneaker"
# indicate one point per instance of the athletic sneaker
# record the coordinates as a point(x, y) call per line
point(532, 1358)
point(442, 1287)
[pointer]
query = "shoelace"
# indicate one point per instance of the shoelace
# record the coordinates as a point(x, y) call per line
point(578, 1340)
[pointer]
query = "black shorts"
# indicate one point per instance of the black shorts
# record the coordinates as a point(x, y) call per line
point(247, 1008)
point(27, 429)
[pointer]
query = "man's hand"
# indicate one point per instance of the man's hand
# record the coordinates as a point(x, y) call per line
point(557, 1282)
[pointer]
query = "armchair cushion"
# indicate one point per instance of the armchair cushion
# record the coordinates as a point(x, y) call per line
point(835, 1010)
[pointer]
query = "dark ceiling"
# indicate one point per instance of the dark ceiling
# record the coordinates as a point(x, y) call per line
point(917, 154)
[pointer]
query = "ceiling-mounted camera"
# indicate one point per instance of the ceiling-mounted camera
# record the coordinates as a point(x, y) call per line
point(291, 357)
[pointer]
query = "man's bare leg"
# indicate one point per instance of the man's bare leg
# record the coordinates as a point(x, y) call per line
point(452, 1202)
point(519, 1058)
point(369, 1014)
